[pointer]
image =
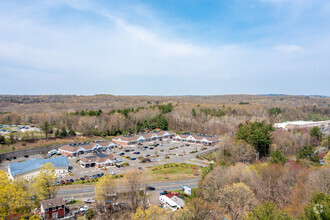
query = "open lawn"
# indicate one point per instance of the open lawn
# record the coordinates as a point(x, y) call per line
point(172, 171)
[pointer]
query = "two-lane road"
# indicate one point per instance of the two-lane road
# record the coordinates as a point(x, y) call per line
point(87, 192)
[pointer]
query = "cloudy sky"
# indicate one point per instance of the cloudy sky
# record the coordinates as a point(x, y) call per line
point(165, 47)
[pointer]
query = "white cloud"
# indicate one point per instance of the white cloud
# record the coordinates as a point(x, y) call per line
point(290, 48)
point(119, 48)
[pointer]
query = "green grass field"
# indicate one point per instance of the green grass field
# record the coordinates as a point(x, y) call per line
point(172, 171)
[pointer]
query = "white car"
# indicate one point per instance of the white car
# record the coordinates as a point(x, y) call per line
point(84, 208)
point(112, 172)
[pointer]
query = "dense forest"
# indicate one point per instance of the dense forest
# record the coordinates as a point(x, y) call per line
point(106, 115)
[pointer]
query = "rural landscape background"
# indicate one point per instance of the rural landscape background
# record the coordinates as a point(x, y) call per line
point(256, 171)
point(172, 109)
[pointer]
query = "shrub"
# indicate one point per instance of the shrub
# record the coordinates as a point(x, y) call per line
point(278, 157)
point(306, 152)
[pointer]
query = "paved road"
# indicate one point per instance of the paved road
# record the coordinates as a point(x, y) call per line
point(89, 192)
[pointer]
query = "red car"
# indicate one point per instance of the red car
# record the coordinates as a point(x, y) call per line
point(67, 181)
point(86, 177)
point(62, 182)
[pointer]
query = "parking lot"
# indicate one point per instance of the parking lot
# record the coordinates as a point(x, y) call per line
point(157, 152)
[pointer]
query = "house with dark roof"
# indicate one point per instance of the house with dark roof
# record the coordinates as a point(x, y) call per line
point(30, 168)
point(53, 208)
point(97, 160)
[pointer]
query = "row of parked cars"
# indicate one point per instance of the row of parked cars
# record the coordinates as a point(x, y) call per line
point(62, 182)
point(92, 176)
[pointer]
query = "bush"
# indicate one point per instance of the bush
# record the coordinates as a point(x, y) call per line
point(306, 152)
point(167, 157)
point(278, 157)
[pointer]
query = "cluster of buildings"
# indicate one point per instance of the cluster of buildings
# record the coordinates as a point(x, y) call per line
point(290, 125)
point(6, 129)
point(160, 135)
point(30, 169)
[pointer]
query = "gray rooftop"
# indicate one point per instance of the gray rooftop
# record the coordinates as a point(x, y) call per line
point(33, 164)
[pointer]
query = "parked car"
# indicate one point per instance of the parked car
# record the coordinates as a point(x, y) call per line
point(156, 145)
point(26, 156)
point(145, 147)
point(94, 176)
point(163, 193)
point(71, 181)
point(121, 154)
point(86, 177)
point(52, 152)
point(148, 155)
point(11, 158)
point(134, 152)
point(140, 168)
point(91, 177)
point(187, 145)
point(67, 181)
point(62, 182)
point(127, 150)
point(82, 178)
point(89, 200)
point(151, 148)
point(84, 208)
point(137, 152)
point(58, 183)
point(98, 175)
point(102, 174)
point(133, 158)
point(112, 172)
point(150, 188)
point(118, 165)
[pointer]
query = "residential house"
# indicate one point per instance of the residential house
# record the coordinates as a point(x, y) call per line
point(53, 208)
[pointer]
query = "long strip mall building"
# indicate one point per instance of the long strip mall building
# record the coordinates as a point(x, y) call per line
point(160, 135)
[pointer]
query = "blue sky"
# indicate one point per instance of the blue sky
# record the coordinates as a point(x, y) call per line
point(174, 47)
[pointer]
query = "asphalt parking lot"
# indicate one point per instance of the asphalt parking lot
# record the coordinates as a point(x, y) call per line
point(167, 151)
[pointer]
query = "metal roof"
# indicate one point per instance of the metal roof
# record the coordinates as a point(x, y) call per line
point(33, 164)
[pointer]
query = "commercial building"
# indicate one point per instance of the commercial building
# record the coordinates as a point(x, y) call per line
point(30, 168)
point(53, 208)
point(141, 138)
point(197, 139)
point(77, 149)
point(171, 201)
point(97, 160)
